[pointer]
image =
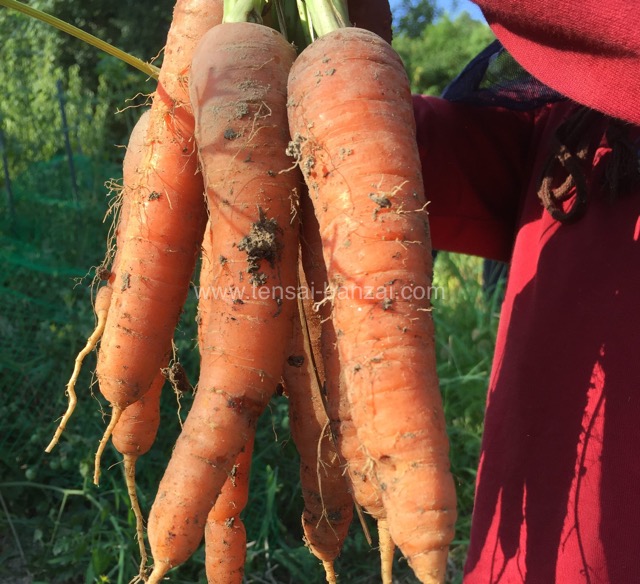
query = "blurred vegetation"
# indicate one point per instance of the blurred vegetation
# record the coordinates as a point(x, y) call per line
point(55, 526)
point(413, 16)
point(435, 55)
point(34, 57)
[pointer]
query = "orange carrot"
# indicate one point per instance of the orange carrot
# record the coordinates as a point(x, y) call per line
point(133, 436)
point(166, 225)
point(238, 91)
point(104, 294)
point(207, 283)
point(130, 164)
point(363, 483)
point(328, 506)
point(224, 535)
point(354, 133)
point(136, 430)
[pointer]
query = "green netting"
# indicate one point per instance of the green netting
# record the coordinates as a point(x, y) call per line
point(46, 249)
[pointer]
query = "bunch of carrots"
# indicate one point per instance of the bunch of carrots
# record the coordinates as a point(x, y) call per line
point(298, 128)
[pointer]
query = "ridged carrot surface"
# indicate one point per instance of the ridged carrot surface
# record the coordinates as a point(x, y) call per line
point(238, 91)
point(352, 125)
point(360, 473)
point(328, 505)
point(104, 295)
point(225, 538)
point(166, 223)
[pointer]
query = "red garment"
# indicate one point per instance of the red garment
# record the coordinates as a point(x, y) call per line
point(557, 496)
point(588, 50)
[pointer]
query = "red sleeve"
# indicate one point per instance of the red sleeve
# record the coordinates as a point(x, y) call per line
point(474, 164)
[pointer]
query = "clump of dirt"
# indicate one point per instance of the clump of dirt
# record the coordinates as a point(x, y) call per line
point(381, 200)
point(126, 281)
point(294, 148)
point(258, 279)
point(295, 360)
point(242, 109)
point(177, 376)
point(253, 90)
point(103, 273)
point(261, 244)
point(249, 84)
point(231, 134)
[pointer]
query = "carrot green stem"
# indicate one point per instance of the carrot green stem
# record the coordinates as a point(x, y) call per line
point(327, 15)
point(303, 27)
point(281, 17)
point(287, 15)
point(150, 70)
point(243, 11)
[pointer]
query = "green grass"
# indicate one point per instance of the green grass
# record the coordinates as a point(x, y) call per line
point(56, 527)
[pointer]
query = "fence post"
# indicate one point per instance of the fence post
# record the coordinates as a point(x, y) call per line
point(7, 177)
point(67, 142)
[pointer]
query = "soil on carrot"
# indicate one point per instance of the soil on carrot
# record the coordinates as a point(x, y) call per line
point(381, 200)
point(103, 273)
point(306, 163)
point(231, 134)
point(241, 109)
point(295, 360)
point(232, 112)
point(254, 88)
point(177, 377)
point(261, 244)
point(294, 148)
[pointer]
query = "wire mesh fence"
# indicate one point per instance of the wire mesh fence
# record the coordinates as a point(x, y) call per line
point(46, 249)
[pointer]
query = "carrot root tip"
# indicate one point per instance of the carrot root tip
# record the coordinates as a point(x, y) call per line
point(329, 572)
point(115, 416)
point(387, 549)
point(92, 341)
point(158, 573)
point(130, 479)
